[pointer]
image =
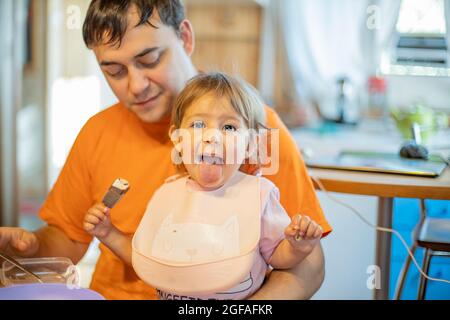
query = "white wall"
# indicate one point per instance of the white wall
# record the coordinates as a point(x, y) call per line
point(8, 105)
point(349, 250)
point(404, 90)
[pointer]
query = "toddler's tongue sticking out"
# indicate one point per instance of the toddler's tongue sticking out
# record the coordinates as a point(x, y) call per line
point(210, 169)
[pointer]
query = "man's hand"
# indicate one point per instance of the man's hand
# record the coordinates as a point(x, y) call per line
point(48, 241)
point(298, 283)
point(18, 242)
point(303, 233)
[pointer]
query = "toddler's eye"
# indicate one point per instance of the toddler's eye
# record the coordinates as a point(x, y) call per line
point(229, 127)
point(198, 125)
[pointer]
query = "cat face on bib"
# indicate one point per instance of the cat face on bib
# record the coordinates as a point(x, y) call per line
point(193, 241)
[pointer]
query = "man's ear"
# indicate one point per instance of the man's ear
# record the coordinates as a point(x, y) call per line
point(187, 35)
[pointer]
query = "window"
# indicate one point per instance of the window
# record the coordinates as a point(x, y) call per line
point(420, 47)
point(422, 17)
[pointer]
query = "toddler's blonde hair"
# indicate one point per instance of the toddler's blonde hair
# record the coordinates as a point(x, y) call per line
point(244, 98)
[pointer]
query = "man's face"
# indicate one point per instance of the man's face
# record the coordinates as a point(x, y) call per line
point(151, 66)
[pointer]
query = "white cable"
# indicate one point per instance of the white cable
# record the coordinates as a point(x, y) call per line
point(382, 229)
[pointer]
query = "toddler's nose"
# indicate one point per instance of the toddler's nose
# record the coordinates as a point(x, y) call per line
point(212, 136)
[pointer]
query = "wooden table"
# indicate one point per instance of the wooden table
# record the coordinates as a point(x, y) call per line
point(386, 187)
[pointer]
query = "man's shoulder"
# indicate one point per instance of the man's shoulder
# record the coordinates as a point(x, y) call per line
point(286, 140)
point(274, 121)
point(107, 117)
point(108, 114)
point(272, 118)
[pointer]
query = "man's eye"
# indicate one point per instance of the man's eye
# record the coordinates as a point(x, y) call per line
point(115, 73)
point(150, 61)
point(229, 127)
point(198, 125)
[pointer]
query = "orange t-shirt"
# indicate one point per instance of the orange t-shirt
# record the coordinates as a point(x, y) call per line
point(116, 144)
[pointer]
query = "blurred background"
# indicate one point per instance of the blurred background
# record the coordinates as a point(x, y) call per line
point(373, 64)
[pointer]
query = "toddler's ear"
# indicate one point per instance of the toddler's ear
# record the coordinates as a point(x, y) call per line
point(172, 133)
point(252, 147)
point(175, 137)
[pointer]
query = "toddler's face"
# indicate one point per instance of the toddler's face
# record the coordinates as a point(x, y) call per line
point(214, 141)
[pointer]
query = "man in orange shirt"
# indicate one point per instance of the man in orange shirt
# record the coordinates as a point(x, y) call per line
point(144, 49)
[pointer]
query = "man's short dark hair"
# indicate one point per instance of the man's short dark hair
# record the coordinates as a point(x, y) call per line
point(106, 20)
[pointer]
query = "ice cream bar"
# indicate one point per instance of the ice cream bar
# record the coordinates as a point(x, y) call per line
point(115, 192)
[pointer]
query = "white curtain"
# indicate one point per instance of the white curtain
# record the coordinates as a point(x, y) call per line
point(385, 14)
point(266, 82)
point(447, 20)
point(322, 40)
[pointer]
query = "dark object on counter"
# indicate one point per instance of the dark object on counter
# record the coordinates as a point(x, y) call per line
point(413, 149)
point(342, 103)
point(377, 97)
point(342, 100)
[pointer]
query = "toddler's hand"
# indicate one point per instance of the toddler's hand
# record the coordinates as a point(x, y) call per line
point(303, 233)
point(97, 221)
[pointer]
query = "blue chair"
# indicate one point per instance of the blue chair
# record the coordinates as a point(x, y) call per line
point(433, 235)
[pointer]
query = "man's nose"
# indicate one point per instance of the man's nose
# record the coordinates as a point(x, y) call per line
point(138, 84)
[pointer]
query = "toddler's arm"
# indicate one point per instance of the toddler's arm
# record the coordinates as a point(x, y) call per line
point(97, 222)
point(302, 235)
